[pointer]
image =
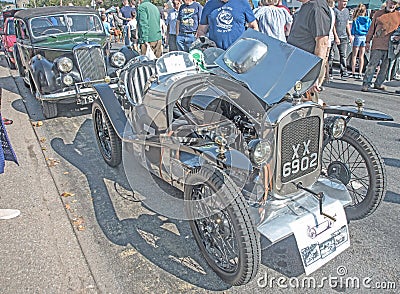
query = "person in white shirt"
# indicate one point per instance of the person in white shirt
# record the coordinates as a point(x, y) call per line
point(273, 21)
point(132, 31)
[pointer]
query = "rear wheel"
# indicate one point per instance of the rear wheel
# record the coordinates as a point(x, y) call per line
point(11, 65)
point(109, 143)
point(49, 109)
point(18, 63)
point(355, 162)
point(221, 225)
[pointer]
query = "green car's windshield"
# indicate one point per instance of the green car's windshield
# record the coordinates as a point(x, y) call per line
point(69, 23)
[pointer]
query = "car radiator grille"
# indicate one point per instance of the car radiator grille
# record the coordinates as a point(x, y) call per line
point(299, 148)
point(91, 63)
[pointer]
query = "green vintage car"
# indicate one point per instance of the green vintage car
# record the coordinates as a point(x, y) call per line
point(62, 51)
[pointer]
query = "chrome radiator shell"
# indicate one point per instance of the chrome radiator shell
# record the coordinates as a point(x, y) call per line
point(90, 62)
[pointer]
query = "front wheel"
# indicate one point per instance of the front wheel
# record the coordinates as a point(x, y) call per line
point(221, 225)
point(49, 109)
point(355, 162)
point(109, 143)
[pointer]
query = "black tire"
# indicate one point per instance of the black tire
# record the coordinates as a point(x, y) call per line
point(18, 63)
point(109, 143)
point(10, 64)
point(354, 160)
point(229, 227)
point(49, 109)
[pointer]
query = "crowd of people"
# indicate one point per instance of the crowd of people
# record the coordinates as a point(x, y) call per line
point(317, 27)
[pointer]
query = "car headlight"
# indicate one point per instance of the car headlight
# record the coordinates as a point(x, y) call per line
point(68, 80)
point(118, 59)
point(335, 126)
point(260, 151)
point(64, 64)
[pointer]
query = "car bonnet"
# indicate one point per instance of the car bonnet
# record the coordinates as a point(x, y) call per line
point(270, 68)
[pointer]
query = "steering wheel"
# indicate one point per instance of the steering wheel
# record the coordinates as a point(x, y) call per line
point(52, 29)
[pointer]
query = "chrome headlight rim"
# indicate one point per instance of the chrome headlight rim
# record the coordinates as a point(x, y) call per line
point(260, 151)
point(118, 59)
point(335, 126)
point(68, 80)
point(65, 64)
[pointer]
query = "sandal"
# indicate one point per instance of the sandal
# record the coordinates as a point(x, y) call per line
point(7, 121)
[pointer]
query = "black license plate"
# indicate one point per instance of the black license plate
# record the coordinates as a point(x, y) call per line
point(84, 100)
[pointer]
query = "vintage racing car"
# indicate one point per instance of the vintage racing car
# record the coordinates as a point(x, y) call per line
point(61, 51)
point(235, 131)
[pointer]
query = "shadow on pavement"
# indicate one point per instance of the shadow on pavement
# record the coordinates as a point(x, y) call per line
point(392, 161)
point(172, 252)
point(7, 83)
point(392, 197)
point(19, 105)
point(389, 124)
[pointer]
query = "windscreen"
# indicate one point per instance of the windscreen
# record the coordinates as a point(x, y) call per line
point(69, 23)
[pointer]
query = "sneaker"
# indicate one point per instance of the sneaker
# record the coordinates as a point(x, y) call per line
point(357, 76)
point(7, 121)
point(9, 213)
point(364, 88)
point(381, 87)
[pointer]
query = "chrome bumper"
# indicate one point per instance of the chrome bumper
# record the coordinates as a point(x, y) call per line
point(76, 93)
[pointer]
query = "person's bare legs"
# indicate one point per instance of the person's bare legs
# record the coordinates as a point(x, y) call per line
point(353, 60)
point(361, 53)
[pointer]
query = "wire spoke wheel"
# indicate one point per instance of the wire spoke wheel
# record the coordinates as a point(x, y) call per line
point(102, 133)
point(216, 230)
point(355, 162)
point(109, 143)
point(221, 225)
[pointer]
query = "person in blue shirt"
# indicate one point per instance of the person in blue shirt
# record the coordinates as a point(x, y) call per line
point(171, 25)
point(125, 15)
point(359, 30)
point(106, 25)
point(188, 19)
point(226, 20)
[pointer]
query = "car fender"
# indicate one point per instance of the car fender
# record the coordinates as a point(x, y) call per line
point(114, 111)
point(356, 112)
point(42, 74)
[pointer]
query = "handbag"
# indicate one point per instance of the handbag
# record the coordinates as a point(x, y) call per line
point(149, 53)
